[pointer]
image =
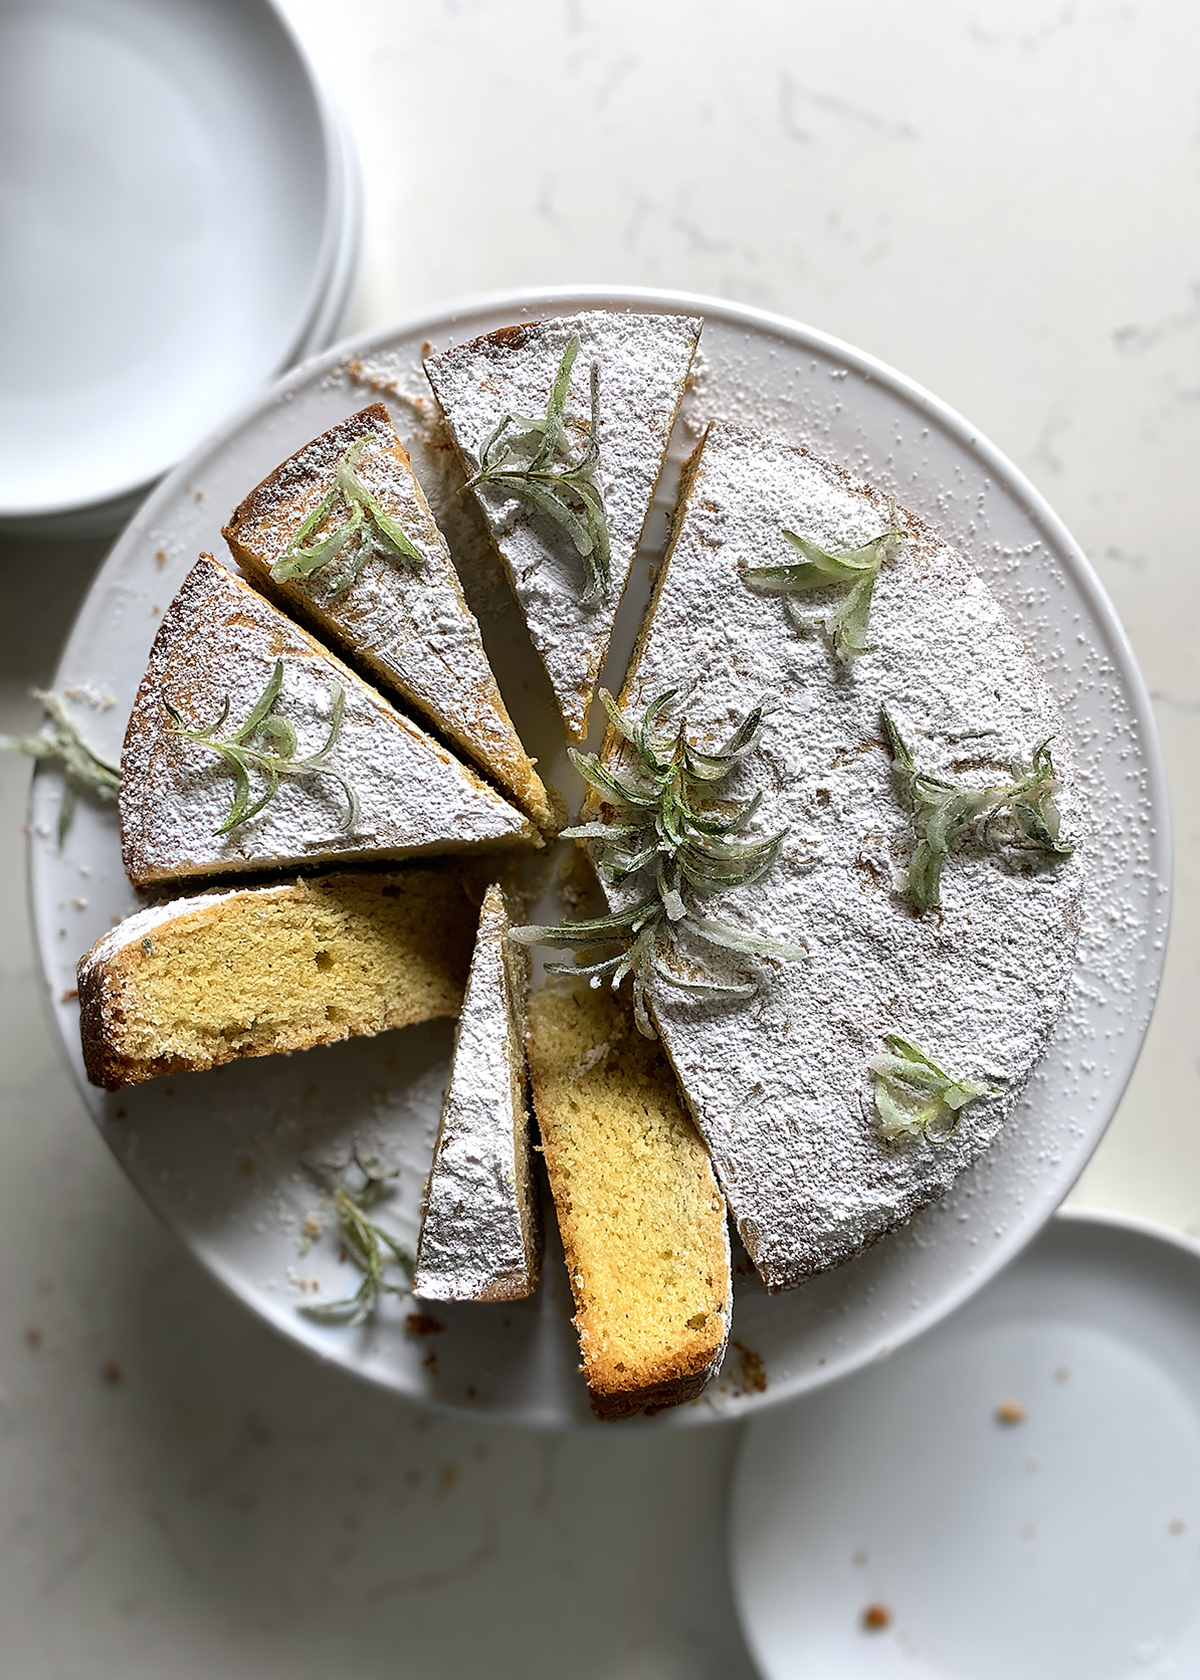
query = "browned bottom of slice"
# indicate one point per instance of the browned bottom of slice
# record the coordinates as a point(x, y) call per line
point(641, 1217)
point(207, 979)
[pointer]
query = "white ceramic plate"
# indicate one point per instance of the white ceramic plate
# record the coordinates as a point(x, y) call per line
point(1063, 1546)
point(221, 1155)
point(179, 224)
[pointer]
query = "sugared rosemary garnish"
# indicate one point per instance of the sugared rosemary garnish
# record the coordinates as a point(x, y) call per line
point(845, 624)
point(530, 459)
point(689, 848)
point(942, 812)
point(913, 1094)
point(266, 743)
point(368, 1245)
point(365, 530)
point(81, 766)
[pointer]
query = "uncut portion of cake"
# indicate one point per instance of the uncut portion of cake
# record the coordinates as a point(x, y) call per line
point(480, 1239)
point(781, 1081)
point(259, 970)
point(641, 1217)
point(344, 775)
point(342, 533)
point(642, 364)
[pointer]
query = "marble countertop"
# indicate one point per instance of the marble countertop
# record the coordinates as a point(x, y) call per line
point(1000, 198)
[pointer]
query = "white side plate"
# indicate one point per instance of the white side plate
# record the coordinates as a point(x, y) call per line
point(221, 1155)
point(1063, 1544)
point(177, 199)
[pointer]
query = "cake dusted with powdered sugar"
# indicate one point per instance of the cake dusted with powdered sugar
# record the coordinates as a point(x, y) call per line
point(642, 366)
point(380, 787)
point(479, 1232)
point(781, 1082)
point(310, 534)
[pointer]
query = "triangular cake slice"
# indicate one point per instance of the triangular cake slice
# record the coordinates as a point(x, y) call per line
point(256, 971)
point(643, 363)
point(642, 1220)
point(377, 787)
point(479, 1231)
point(781, 1080)
point(400, 615)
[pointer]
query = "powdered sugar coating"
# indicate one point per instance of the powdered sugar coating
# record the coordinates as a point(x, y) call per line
point(644, 362)
point(478, 1235)
point(408, 623)
point(779, 1083)
point(218, 638)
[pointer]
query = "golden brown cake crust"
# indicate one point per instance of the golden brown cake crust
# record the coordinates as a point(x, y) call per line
point(309, 962)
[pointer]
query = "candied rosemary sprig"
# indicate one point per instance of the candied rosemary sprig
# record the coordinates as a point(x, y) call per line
point(530, 459)
point(942, 812)
point(688, 847)
point(845, 624)
point(913, 1094)
point(368, 1245)
point(81, 766)
point(365, 529)
point(272, 754)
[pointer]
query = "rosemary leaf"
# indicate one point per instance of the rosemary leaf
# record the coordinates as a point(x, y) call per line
point(365, 529)
point(530, 460)
point(266, 744)
point(913, 1094)
point(691, 851)
point(845, 624)
point(373, 1250)
point(1021, 813)
point(81, 766)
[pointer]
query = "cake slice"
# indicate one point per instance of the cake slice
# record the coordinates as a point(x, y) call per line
point(479, 1230)
point(259, 970)
point(782, 1078)
point(642, 364)
point(250, 746)
point(641, 1217)
point(310, 533)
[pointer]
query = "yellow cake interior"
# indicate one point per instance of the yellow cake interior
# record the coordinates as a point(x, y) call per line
point(282, 968)
point(641, 1217)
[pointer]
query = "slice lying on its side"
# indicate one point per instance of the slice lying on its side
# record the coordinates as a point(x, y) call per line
point(643, 363)
point(343, 774)
point(311, 533)
point(641, 1217)
point(479, 1232)
point(259, 970)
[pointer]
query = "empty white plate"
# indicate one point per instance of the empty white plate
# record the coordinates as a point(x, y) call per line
point(178, 215)
point(1014, 1497)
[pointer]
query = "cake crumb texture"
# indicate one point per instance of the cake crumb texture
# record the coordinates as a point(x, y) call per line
point(641, 1217)
point(259, 970)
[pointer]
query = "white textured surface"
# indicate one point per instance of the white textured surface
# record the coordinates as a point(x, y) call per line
point(218, 641)
point(779, 1081)
point(943, 184)
point(477, 1230)
point(643, 360)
